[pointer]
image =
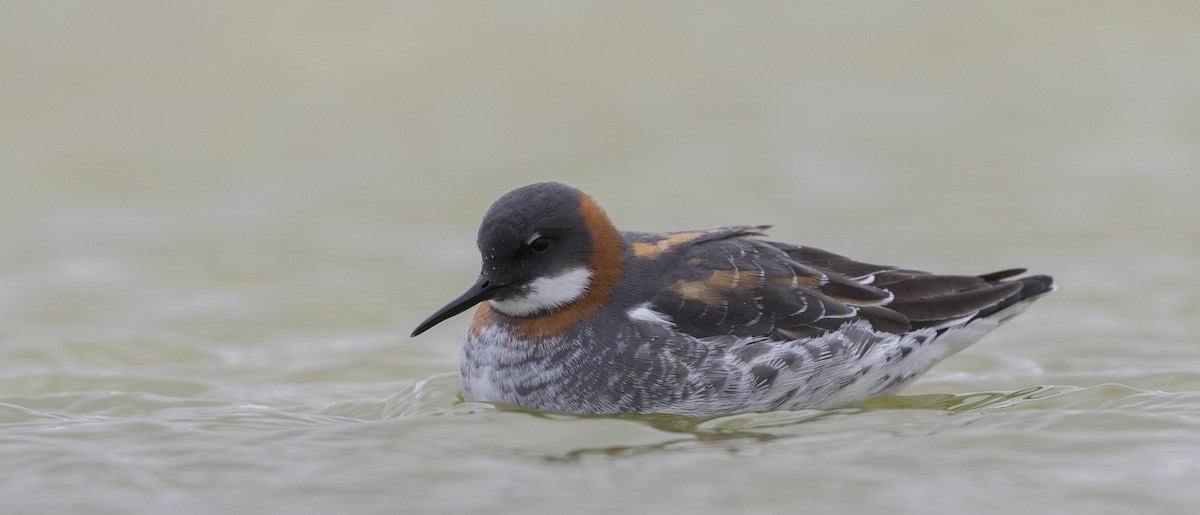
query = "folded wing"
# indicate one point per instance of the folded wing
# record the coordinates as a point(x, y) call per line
point(735, 285)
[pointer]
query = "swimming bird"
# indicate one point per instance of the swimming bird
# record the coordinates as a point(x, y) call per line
point(575, 316)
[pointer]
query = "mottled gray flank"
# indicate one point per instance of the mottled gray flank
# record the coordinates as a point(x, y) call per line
point(651, 368)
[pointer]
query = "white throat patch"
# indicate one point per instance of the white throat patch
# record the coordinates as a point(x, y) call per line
point(547, 293)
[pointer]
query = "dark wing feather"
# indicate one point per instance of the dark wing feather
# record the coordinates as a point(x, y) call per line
point(722, 283)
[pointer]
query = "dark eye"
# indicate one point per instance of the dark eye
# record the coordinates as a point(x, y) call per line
point(539, 244)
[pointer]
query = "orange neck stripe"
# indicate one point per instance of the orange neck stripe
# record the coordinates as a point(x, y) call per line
point(606, 263)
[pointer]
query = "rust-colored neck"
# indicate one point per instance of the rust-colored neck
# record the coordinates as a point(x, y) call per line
point(605, 263)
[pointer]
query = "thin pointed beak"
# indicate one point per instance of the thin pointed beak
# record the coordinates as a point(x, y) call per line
point(483, 289)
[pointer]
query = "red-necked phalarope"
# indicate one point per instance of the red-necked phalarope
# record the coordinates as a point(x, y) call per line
point(576, 316)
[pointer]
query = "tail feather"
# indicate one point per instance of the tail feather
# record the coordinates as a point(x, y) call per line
point(1031, 287)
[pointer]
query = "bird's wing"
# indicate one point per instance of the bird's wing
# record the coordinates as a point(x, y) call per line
point(720, 282)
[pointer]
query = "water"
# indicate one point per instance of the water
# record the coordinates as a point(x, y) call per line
point(219, 223)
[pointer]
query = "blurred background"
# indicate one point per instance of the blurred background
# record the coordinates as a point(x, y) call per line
point(212, 205)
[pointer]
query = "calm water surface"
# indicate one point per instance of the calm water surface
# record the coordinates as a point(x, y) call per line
point(218, 225)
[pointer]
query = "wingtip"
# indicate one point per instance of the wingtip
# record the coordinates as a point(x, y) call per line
point(757, 230)
point(1002, 274)
point(1036, 285)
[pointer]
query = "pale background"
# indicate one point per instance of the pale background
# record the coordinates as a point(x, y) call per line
point(220, 220)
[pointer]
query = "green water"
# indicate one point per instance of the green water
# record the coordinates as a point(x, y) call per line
point(219, 222)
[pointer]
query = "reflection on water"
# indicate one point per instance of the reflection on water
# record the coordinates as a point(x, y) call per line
point(899, 417)
point(965, 402)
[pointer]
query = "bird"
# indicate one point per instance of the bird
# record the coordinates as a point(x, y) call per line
point(575, 316)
